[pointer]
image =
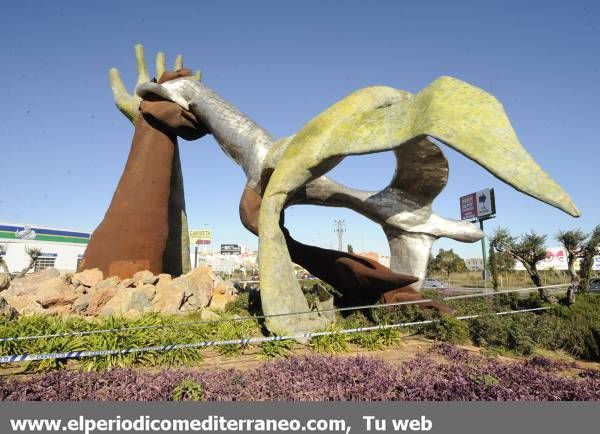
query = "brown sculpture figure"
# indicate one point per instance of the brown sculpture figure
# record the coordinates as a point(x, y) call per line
point(134, 232)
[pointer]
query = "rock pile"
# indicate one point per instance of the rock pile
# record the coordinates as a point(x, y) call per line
point(88, 293)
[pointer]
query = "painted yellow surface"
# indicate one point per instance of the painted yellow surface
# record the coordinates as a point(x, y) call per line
point(376, 119)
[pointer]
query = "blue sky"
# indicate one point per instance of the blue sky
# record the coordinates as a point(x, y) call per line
point(64, 143)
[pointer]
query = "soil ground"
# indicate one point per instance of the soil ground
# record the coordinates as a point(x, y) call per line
point(408, 348)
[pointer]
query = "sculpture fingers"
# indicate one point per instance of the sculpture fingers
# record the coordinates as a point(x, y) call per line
point(178, 62)
point(161, 64)
point(127, 104)
point(140, 62)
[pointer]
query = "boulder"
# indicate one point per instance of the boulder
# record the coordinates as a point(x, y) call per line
point(67, 277)
point(126, 283)
point(130, 299)
point(82, 303)
point(164, 277)
point(54, 292)
point(169, 296)
point(198, 285)
point(219, 300)
point(88, 278)
point(24, 304)
point(144, 277)
point(98, 298)
point(7, 311)
point(81, 289)
point(59, 309)
point(107, 283)
point(225, 287)
point(29, 283)
point(149, 291)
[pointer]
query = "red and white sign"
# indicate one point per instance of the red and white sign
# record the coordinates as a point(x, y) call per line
point(477, 205)
point(468, 207)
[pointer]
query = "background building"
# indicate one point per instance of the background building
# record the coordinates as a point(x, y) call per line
point(474, 264)
point(61, 248)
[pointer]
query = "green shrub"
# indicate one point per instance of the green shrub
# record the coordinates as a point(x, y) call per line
point(231, 330)
point(574, 329)
point(272, 349)
point(447, 329)
point(239, 306)
point(519, 340)
point(401, 314)
point(390, 337)
point(488, 331)
point(334, 343)
point(187, 390)
point(369, 340)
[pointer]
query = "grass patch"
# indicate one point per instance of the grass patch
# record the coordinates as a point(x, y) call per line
point(273, 349)
point(187, 390)
point(334, 343)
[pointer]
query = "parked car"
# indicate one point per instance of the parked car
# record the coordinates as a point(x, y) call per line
point(429, 283)
point(594, 284)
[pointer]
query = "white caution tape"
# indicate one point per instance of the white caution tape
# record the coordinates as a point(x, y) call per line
point(244, 341)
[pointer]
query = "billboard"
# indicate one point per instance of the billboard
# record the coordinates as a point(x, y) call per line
point(231, 249)
point(478, 205)
point(200, 236)
point(556, 259)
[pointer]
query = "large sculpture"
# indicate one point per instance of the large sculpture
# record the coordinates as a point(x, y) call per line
point(145, 226)
point(374, 119)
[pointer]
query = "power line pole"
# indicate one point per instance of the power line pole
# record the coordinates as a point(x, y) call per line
point(340, 228)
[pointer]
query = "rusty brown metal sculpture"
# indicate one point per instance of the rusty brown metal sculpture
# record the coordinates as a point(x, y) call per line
point(134, 233)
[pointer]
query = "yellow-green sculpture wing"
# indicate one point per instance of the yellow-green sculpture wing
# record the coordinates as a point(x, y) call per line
point(376, 119)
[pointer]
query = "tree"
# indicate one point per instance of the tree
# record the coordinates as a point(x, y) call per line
point(33, 254)
point(492, 266)
point(504, 263)
point(499, 262)
point(5, 276)
point(529, 250)
point(432, 266)
point(573, 242)
point(350, 249)
point(589, 250)
point(448, 262)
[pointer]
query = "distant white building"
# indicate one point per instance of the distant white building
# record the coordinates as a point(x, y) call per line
point(474, 264)
point(61, 248)
point(224, 261)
